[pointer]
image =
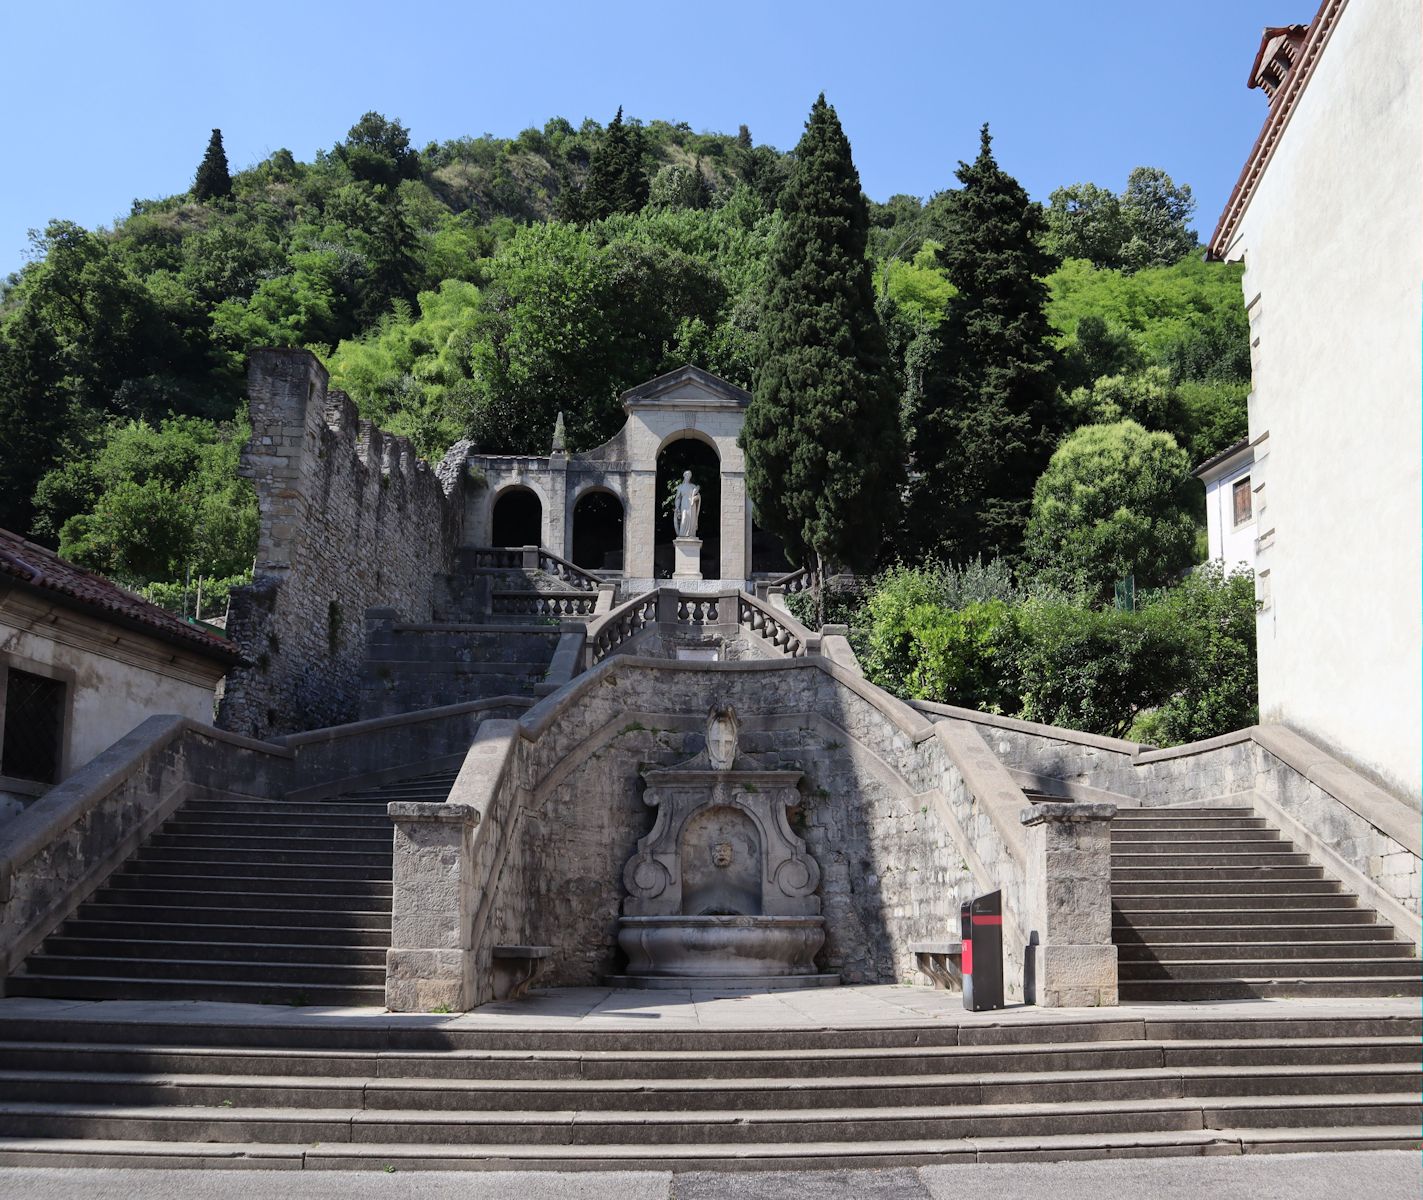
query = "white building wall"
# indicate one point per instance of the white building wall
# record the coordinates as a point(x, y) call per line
point(1333, 247)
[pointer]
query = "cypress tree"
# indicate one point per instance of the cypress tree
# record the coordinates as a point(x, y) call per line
point(617, 181)
point(821, 434)
point(987, 417)
point(213, 181)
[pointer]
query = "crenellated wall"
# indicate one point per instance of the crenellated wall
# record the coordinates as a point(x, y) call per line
point(351, 518)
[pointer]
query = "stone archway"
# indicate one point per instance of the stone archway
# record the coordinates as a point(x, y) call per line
point(688, 452)
point(598, 522)
point(517, 519)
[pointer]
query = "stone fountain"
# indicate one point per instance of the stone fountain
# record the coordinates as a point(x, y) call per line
point(721, 892)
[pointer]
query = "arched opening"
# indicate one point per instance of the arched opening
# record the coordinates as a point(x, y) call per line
point(598, 532)
point(768, 553)
point(688, 454)
point(518, 518)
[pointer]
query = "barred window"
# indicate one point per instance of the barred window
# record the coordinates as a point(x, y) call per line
point(34, 727)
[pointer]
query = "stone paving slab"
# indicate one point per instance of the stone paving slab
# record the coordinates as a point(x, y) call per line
point(1379, 1174)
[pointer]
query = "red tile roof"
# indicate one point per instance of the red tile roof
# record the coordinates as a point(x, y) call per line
point(32, 566)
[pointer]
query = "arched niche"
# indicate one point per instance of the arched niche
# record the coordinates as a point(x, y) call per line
point(598, 520)
point(687, 451)
point(517, 518)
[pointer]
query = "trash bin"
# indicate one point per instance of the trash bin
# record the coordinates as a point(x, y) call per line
point(981, 927)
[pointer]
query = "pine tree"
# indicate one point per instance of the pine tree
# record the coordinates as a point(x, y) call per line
point(821, 434)
point(213, 181)
point(987, 418)
point(617, 180)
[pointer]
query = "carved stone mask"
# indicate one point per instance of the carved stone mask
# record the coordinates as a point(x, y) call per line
point(721, 855)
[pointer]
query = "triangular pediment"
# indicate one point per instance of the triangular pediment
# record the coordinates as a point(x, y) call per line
point(686, 387)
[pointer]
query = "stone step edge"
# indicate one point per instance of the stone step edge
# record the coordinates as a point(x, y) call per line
point(1408, 1041)
point(762, 1084)
point(64, 1152)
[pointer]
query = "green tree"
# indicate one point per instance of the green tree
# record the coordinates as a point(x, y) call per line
point(212, 181)
point(1113, 502)
point(1086, 221)
point(617, 178)
point(987, 418)
point(822, 433)
point(377, 151)
point(153, 501)
point(679, 186)
point(1156, 211)
point(33, 415)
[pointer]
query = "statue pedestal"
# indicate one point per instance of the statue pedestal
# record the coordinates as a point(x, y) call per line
point(688, 561)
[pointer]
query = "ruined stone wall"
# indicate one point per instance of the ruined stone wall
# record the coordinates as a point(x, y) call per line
point(351, 518)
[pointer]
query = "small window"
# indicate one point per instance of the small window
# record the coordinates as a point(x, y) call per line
point(34, 724)
point(1240, 496)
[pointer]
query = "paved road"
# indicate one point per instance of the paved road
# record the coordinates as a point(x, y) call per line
point(1377, 1175)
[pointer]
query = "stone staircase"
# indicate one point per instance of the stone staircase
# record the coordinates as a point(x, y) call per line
point(273, 902)
point(1210, 904)
point(494, 631)
point(421, 1093)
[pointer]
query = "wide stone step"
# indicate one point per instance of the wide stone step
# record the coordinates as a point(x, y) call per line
point(363, 814)
point(1237, 965)
point(1252, 891)
point(156, 863)
point(222, 921)
point(1227, 988)
point(1128, 816)
point(374, 843)
point(181, 930)
point(1183, 834)
point(517, 1066)
point(1144, 932)
point(334, 833)
point(191, 969)
point(1205, 872)
point(776, 1127)
point(127, 892)
point(122, 987)
point(136, 878)
point(1214, 860)
point(97, 1152)
point(168, 949)
point(1164, 951)
point(540, 1097)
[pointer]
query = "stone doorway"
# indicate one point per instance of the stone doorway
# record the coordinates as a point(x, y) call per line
point(518, 518)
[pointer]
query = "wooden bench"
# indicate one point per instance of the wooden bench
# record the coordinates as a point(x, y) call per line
point(942, 962)
point(516, 968)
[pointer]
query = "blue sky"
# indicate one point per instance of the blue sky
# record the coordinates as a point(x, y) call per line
point(109, 102)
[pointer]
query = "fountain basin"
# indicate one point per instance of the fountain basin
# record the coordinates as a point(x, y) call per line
point(721, 947)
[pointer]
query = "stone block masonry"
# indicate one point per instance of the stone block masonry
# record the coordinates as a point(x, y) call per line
point(351, 518)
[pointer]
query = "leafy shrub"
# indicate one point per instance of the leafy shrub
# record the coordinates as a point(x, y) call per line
point(1096, 669)
point(966, 657)
point(1214, 609)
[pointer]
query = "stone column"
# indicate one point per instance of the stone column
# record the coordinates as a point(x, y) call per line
point(1070, 903)
point(430, 962)
point(735, 526)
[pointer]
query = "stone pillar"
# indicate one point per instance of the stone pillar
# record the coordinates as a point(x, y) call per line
point(639, 527)
point(735, 528)
point(1070, 903)
point(430, 962)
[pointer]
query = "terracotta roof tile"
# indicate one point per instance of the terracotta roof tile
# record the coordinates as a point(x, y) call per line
point(41, 570)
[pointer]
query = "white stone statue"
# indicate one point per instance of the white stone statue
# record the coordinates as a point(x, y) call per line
point(687, 508)
point(722, 731)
